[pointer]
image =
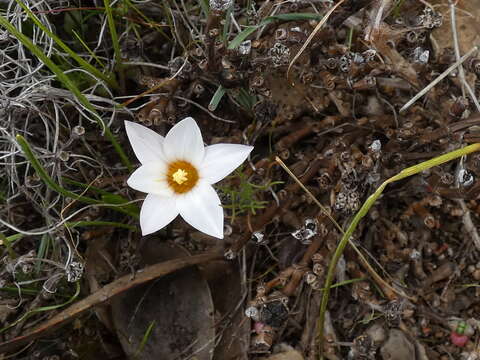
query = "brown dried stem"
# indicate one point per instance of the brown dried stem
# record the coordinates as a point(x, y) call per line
point(106, 293)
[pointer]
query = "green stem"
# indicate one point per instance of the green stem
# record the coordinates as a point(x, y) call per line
point(364, 210)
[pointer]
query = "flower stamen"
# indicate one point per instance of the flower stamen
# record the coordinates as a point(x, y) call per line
point(181, 176)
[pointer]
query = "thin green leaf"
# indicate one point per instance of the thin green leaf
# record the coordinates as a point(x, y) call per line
point(113, 32)
point(249, 30)
point(216, 98)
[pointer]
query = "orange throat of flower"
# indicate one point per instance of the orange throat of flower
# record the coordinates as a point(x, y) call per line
point(181, 176)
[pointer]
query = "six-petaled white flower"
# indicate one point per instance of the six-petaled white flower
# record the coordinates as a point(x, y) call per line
point(177, 172)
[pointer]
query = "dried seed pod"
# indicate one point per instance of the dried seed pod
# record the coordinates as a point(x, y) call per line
point(367, 83)
point(158, 112)
point(279, 55)
point(430, 18)
point(428, 218)
point(317, 285)
point(420, 56)
point(78, 131)
point(465, 177)
point(457, 109)
point(230, 254)
point(341, 201)
point(310, 277)
point(281, 34)
point(220, 5)
point(180, 67)
point(363, 347)
point(227, 64)
point(253, 313)
point(367, 162)
point(318, 269)
point(74, 271)
point(257, 81)
point(264, 338)
point(317, 257)
point(412, 37)
point(307, 77)
point(259, 238)
point(474, 65)
point(308, 231)
point(328, 79)
point(203, 64)
point(331, 63)
point(393, 312)
point(274, 313)
point(213, 33)
point(447, 179)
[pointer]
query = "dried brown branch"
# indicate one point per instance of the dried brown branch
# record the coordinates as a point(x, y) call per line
point(106, 293)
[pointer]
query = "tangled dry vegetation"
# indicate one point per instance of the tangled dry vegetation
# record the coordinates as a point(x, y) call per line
point(345, 93)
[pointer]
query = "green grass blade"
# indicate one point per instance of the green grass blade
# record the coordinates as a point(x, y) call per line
point(42, 173)
point(296, 17)
point(42, 251)
point(113, 32)
point(84, 64)
point(145, 338)
point(364, 210)
point(92, 54)
point(205, 6)
point(68, 84)
point(216, 98)
point(44, 308)
point(249, 30)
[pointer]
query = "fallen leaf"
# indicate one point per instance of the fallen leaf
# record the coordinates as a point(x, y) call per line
point(169, 318)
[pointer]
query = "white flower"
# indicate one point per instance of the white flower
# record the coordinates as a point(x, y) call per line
point(177, 172)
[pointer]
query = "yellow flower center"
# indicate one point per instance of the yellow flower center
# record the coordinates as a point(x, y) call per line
point(181, 176)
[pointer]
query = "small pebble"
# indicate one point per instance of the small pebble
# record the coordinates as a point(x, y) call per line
point(397, 347)
point(476, 274)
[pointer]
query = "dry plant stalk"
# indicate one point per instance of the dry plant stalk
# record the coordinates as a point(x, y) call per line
point(106, 293)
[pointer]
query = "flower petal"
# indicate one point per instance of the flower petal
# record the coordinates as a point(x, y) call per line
point(201, 209)
point(221, 159)
point(156, 213)
point(151, 178)
point(184, 142)
point(146, 143)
